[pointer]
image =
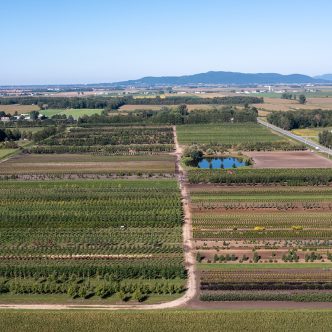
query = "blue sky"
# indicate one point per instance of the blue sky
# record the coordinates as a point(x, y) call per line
point(79, 41)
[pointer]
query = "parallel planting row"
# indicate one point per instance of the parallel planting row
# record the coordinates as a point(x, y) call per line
point(107, 151)
point(87, 238)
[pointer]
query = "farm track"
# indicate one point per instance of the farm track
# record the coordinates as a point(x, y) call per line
point(192, 281)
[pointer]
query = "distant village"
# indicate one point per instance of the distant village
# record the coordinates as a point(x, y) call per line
point(21, 117)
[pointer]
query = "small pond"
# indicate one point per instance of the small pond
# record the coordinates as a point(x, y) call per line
point(218, 163)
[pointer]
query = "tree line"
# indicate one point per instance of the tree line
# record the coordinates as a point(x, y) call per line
point(301, 119)
point(112, 103)
point(177, 116)
point(325, 138)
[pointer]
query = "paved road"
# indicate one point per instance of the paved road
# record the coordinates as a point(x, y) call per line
point(301, 139)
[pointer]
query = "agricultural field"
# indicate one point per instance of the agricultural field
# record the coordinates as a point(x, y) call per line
point(288, 159)
point(278, 104)
point(310, 133)
point(116, 240)
point(164, 321)
point(112, 136)
point(68, 163)
point(6, 153)
point(107, 151)
point(226, 134)
point(277, 238)
point(267, 176)
point(75, 113)
point(20, 109)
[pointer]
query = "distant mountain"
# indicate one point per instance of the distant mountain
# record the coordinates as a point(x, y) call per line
point(327, 77)
point(222, 77)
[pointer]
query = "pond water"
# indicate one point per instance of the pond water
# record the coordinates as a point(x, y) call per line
point(218, 163)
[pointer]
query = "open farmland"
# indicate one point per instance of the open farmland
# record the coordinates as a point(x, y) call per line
point(108, 151)
point(125, 235)
point(241, 226)
point(6, 152)
point(226, 134)
point(311, 133)
point(88, 164)
point(112, 136)
point(277, 104)
point(20, 109)
point(109, 141)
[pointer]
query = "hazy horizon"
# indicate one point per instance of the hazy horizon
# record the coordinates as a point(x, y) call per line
point(108, 41)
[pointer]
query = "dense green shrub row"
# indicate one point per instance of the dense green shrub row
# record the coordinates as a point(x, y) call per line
point(301, 119)
point(289, 176)
point(265, 285)
point(268, 296)
point(76, 287)
point(102, 150)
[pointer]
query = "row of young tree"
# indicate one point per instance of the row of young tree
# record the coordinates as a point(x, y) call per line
point(135, 290)
point(301, 119)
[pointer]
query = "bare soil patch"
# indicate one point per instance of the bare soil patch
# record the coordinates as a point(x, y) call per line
point(288, 159)
point(278, 104)
point(11, 109)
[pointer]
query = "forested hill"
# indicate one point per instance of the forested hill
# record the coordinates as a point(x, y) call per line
point(327, 77)
point(221, 77)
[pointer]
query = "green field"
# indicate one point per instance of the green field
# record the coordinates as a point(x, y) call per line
point(6, 152)
point(88, 239)
point(75, 113)
point(310, 133)
point(67, 163)
point(225, 134)
point(277, 210)
point(162, 321)
point(217, 266)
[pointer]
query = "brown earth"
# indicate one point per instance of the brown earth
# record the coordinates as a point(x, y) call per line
point(73, 164)
point(278, 104)
point(288, 159)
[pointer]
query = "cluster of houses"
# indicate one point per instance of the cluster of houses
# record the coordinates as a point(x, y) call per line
point(19, 117)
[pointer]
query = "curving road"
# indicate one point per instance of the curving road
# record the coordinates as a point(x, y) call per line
point(306, 141)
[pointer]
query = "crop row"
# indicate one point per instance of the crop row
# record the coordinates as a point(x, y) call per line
point(268, 296)
point(104, 150)
point(112, 136)
point(276, 220)
point(264, 275)
point(115, 270)
point(266, 234)
point(289, 176)
point(120, 228)
point(90, 241)
point(281, 206)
